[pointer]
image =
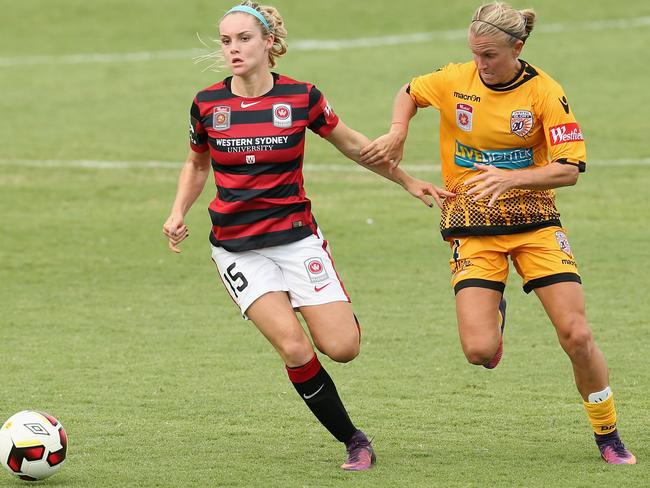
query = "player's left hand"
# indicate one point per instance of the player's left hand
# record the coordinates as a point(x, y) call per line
point(492, 181)
point(420, 189)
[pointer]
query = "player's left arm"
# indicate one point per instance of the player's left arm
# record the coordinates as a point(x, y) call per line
point(495, 182)
point(566, 148)
point(350, 142)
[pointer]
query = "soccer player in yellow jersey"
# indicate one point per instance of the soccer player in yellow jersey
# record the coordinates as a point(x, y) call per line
point(508, 137)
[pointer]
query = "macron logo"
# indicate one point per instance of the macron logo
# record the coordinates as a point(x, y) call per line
point(565, 133)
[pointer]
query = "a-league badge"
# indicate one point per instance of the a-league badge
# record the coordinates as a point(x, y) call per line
point(221, 118)
point(521, 122)
point(464, 114)
point(193, 136)
point(316, 270)
point(563, 242)
point(282, 115)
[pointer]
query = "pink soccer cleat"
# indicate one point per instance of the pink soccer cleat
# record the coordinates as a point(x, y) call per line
point(612, 449)
point(361, 455)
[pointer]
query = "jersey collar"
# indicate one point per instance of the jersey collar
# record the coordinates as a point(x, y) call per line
point(526, 73)
point(228, 84)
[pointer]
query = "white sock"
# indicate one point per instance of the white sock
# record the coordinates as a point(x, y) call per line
point(600, 396)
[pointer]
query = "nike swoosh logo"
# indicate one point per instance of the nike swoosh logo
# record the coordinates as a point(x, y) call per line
point(246, 105)
point(317, 289)
point(307, 397)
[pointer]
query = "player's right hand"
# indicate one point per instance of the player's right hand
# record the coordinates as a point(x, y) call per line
point(386, 149)
point(176, 231)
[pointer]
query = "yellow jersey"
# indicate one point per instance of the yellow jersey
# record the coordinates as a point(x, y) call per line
point(522, 124)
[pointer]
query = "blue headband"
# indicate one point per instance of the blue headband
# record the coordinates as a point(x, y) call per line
point(252, 11)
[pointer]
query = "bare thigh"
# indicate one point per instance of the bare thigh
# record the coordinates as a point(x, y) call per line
point(333, 329)
point(477, 311)
point(273, 315)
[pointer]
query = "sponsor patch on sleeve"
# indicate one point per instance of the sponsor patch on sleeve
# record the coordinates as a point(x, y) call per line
point(563, 133)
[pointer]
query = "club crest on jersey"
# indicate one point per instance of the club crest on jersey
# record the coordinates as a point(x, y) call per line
point(521, 122)
point(464, 116)
point(250, 159)
point(316, 270)
point(282, 115)
point(563, 242)
point(221, 118)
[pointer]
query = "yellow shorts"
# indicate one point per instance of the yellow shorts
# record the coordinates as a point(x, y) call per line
point(541, 257)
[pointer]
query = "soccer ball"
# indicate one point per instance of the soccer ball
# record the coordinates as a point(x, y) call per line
point(32, 445)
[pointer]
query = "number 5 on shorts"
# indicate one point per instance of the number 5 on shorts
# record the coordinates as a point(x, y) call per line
point(232, 279)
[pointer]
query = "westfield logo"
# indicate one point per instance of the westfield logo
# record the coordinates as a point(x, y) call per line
point(565, 133)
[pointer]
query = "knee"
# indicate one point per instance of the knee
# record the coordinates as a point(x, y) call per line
point(295, 352)
point(339, 350)
point(478, 354)
point(578, 341)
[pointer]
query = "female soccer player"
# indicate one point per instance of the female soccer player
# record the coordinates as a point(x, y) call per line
point(268, 249)
point(507, 138)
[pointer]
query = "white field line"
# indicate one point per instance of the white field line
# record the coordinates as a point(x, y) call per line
point(317, 168)
point(317, 44)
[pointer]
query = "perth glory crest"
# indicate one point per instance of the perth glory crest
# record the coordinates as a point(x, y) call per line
point(521, 122)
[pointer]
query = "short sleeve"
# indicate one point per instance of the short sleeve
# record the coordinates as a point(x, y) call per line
point(426, 90)
point(563, 134)
point(322, 119)
point(198, 135)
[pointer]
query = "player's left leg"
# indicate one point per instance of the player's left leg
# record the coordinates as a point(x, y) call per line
point(316, 290)
point(334, 329)
point(564, 304)
point(336, 333)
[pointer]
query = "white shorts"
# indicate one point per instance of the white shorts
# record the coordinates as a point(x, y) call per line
point(304, 269)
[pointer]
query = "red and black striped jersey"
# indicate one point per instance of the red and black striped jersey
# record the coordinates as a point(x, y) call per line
point(257, 147)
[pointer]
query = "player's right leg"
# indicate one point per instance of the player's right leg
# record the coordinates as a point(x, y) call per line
point(480, 325)
point(479, 268)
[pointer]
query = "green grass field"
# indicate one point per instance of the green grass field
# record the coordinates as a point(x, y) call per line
point(141, 354)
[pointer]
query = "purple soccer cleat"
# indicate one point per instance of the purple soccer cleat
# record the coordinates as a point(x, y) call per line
point(612, 449)
point(361, 455)
point(492, 363)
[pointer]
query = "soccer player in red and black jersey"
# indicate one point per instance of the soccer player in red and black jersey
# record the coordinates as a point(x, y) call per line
point(269, 251)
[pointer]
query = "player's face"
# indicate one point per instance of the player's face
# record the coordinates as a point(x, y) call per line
point(495, 59)
point(244, 48)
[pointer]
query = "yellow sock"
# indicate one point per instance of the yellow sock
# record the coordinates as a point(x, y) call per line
point(602, 415)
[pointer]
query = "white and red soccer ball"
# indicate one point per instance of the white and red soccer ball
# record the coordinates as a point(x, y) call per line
point(33, 445)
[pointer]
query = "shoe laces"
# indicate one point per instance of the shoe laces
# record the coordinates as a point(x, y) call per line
point(616, 444)
point(355, 447)
point(619, 447)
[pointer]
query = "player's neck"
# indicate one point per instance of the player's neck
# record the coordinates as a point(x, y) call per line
point(252, 85)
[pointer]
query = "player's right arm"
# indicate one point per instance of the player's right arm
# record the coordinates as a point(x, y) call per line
point(389, 148)
point(190, 185)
